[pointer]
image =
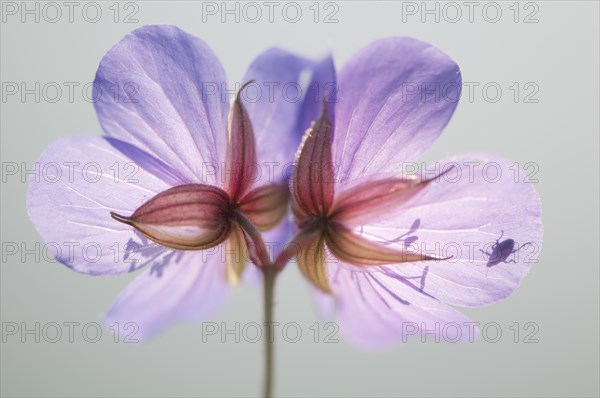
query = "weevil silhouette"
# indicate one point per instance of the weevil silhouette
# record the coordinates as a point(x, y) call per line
point(501, 251)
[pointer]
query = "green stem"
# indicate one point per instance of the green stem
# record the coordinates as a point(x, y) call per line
point(269, 273)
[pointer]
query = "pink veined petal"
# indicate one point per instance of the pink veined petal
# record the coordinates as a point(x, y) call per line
point(185, 217)
point(313, 178)
point(373, 198)
point(273, 102)
point(241, 169)
point(266, 206)
point(375, 310)
point(187, 286)
point(81, 180)
point(160, 89)
point(357, 250)
point(459, 217)
point(395, 97)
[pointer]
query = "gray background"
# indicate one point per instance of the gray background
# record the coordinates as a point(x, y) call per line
point(560, 133)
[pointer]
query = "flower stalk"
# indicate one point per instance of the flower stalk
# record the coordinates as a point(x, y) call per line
point(269, 275)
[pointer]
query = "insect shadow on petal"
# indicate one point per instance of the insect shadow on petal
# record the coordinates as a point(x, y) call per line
point(501, 250)
point(408, 237)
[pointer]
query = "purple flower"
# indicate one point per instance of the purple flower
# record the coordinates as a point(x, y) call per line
point(398, 249)
point(179, 170)
point(191, 187)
